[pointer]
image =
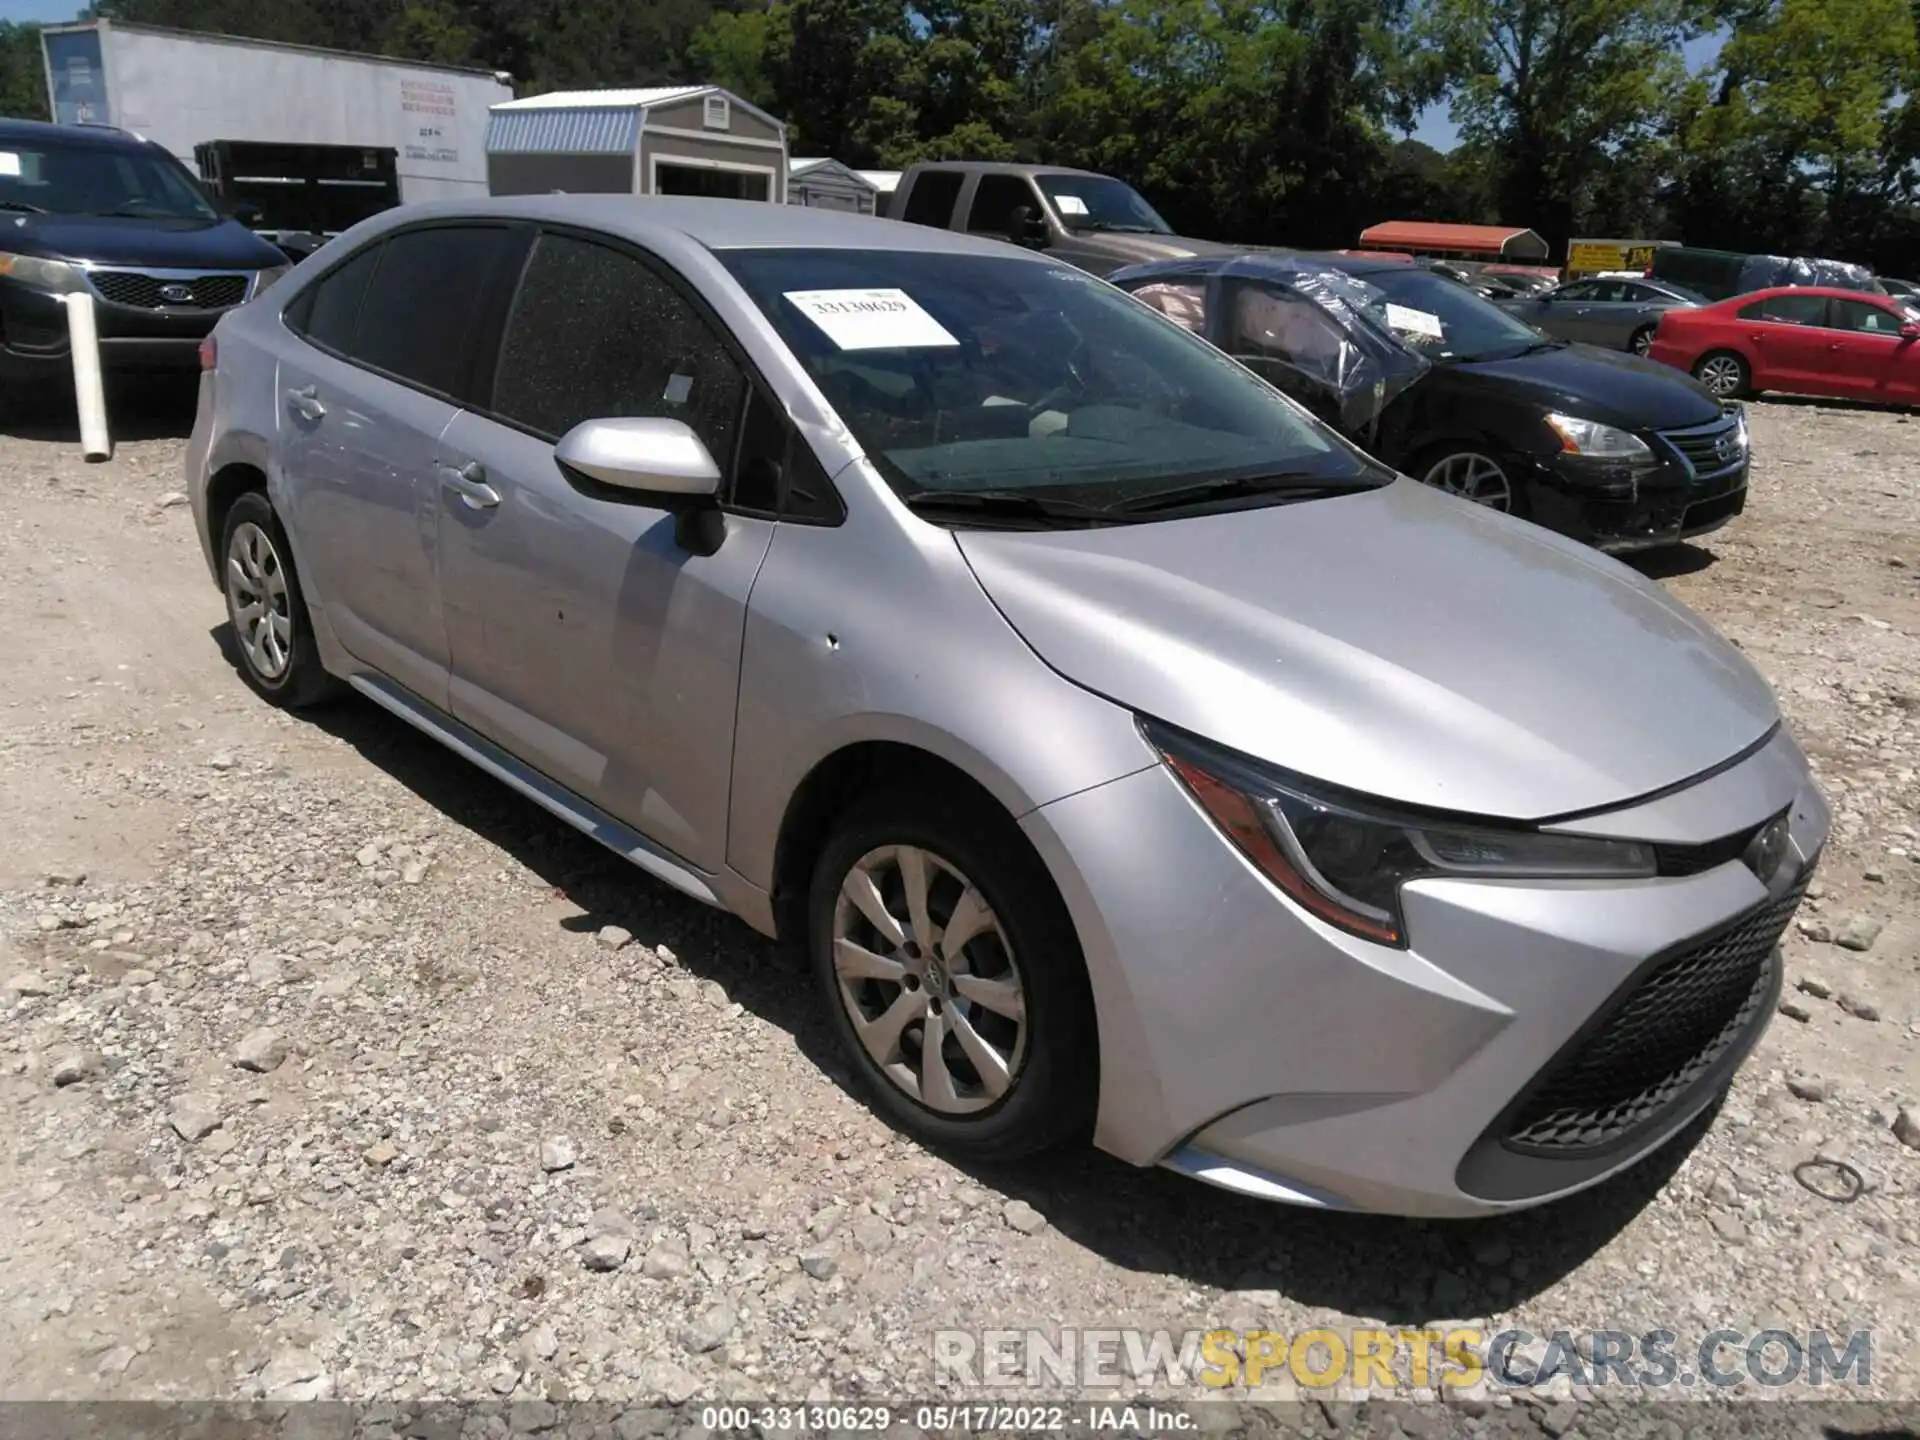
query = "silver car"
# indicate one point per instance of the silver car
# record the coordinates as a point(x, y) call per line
point(1620, 314)
point(1130, 756)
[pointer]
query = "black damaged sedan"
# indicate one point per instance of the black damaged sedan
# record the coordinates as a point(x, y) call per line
point(1606, 447)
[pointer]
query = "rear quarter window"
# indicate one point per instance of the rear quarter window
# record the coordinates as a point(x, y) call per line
point(932, 198)
point(327, 311)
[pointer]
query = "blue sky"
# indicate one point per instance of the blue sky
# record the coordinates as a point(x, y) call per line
point(1438, 130)
point(41, 11)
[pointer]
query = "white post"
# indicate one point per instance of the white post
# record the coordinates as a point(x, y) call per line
point(89, 394)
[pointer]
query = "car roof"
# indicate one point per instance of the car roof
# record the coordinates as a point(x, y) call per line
point(39, 132)
point(717, 224)
point(1832, 292)
point(1006, 167)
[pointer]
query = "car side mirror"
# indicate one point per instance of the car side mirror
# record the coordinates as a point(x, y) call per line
point(1910, 331)
point(246, 212)
point(1027, 228)
point(647, 461)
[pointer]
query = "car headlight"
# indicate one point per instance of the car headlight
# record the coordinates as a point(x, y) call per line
point(55, 276)
point(267, 278)
point(1596, 441)
point(1344, 858)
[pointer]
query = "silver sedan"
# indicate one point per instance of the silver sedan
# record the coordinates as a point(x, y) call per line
point(1616, 313)
point(1128, 755)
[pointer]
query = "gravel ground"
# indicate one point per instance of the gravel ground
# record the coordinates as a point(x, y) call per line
point(336, 1069)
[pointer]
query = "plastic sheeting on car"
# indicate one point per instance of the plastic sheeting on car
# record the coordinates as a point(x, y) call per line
point(1307, 329)
point(1764, 272)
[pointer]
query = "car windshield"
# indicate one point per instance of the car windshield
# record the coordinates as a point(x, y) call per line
point(1098, 202)
point(1444, 320)
point(971, 373)
point(64, 179)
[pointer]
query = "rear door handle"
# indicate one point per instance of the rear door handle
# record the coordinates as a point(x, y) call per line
point(469, 482)
point(305, 403)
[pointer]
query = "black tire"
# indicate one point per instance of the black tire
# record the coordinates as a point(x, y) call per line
point(1730, 364)
point(1054, 1087)
point(302, 680)
point(1641, 340)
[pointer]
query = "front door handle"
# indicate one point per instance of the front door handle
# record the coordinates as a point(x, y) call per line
point(469, 482)
point(305, 403)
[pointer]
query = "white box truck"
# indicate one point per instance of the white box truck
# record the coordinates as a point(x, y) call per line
point(182, 89)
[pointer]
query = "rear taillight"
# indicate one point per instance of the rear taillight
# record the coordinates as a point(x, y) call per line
point(209, 353)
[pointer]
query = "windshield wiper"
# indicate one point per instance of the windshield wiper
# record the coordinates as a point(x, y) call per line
point(1118, 228)
point(1287, 485)
point(1009, 504)
point(22, 206)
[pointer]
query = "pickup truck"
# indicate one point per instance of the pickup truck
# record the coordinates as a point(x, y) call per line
point(1093, 221)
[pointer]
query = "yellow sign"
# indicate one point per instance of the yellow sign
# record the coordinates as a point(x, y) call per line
point(1592, 257)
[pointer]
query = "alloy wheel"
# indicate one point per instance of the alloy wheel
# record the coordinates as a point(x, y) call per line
point(257, 601)
point(1641, 342)
point(1722, 375)
point(929, 980)
point(1473, 476)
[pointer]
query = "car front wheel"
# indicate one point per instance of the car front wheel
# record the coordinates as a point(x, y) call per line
point(1472, 475)
point(271, 630)
point(953, 978)
point(1641, 341)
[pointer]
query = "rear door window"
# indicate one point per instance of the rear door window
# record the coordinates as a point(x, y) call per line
point(1184, 302)
point(1792, 309)
point(596, 333)
point(329, 309)
point(419, 320)
point(932, 198)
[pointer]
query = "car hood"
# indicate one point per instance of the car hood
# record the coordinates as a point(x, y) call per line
point(1610, 386)
point(1396, 642)
point(1128, 249)
point(125, 240)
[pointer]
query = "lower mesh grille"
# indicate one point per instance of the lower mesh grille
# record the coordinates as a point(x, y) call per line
point(1667, 1033)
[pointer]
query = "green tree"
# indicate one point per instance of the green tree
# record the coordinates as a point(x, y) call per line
point(1564, 98)
point(23, 76)
point(1801, 139)
point(1256, 120)
point(730, 51)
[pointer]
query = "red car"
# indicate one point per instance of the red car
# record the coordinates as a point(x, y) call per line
point(1805, 339)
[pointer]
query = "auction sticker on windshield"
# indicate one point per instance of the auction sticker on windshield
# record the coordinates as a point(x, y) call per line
point(1070, 204)
point(1414, 322)
point(9, 163)
point(871, 319)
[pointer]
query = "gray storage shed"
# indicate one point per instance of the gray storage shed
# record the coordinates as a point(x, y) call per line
point(673, 140)
point(829, 185)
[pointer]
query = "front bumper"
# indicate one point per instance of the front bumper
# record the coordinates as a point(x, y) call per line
point(1686, 490)
point(1247, 1044)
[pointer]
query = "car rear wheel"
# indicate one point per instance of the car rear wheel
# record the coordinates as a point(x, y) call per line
point(271, 629)
point(953, 978)
point(1641, 340)
point(1472, 475)
point(1724, 373)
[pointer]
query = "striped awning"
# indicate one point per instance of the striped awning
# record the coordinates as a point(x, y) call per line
point(598, 131)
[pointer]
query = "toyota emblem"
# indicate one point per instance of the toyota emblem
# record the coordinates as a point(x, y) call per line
point(1726, 447)
point(177, 294)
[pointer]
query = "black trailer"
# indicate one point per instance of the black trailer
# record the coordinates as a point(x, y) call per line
point(298, 195)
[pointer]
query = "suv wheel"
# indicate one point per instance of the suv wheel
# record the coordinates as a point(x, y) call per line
point(278, 657)
point(953, 978)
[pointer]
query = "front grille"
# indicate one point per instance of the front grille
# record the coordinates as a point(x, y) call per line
point(1655, 1043)
point(142, 291)
point(1700, 445)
